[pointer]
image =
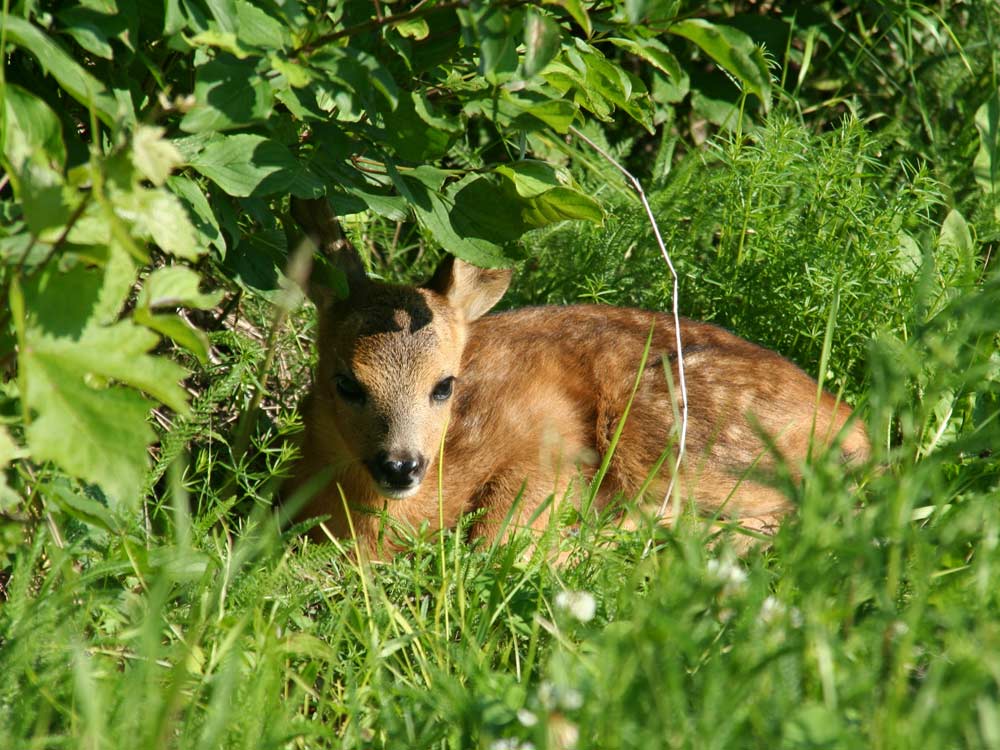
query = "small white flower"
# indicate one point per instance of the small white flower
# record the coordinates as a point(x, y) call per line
point(579, 604)
point(772, 610)
point(558, 697)
point(728, 573)
point(526, 717)
point(511, 743)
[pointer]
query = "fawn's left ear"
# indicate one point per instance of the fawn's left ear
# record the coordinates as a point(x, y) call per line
point(470, 289)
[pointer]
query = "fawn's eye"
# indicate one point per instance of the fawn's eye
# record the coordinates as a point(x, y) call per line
point(350, 389)
point(442, 391)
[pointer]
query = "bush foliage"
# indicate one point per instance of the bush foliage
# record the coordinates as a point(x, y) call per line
point(827, 179)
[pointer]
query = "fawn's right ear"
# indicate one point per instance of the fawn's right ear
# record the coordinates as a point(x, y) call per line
point(468, 288)
point(320, 225)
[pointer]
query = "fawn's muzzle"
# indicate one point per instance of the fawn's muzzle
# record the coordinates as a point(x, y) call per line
point(398, 474)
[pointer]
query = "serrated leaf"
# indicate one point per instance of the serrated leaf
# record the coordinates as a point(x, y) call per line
point(154, 156)
point(245, 164)
point(229, 94)
point(117, 352)
point(97, 434)
point(32, 130)
point(175, 286)
point(88, 288)
point(542, 38)
point(157, 215)
point(733, 50)
point(80, 84)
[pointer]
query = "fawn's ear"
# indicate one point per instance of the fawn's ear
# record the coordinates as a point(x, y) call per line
point(320, 225)
point(468, 288)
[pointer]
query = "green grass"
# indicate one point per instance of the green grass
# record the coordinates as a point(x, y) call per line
point(872, 621)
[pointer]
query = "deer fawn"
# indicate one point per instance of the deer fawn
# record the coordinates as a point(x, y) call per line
point(526, 403)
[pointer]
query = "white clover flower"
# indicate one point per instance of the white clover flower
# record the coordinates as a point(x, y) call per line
point(772, 610)
point(511, 743)
point(526, 717)
point(559, 697)
point(732, 577)
point(579, 604)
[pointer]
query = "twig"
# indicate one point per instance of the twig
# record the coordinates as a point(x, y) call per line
point(676, 313)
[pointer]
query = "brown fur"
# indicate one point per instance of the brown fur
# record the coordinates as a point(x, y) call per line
point(537, 397)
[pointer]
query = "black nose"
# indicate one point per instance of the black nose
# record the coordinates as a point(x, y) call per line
point(399, 469)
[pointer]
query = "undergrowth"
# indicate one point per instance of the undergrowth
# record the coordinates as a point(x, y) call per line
point(871, 621)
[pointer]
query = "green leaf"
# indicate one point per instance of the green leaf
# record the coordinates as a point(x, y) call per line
point(230, 94)
point(578, 12)
point(156, 214)
point(175, 286)
point(116, 352)
point(199, 211)
point(99, 436)
point(653, 51)
point(80, 84)
point(956, 250)
point(986, 165)
point(245, 164)
point(46, 201)
point(258, 29)
point(490, 27)
point(88, 288)
point(733, 50)
point(91, 29)
point(177, 329)
point(9, 451)
point(525, 110)
point(79, 506)
point(411, 136)
point(96, 433)
point(413, 28)
point(32, 130)
point(154, 156)
point(434, 210)
point(542, 38)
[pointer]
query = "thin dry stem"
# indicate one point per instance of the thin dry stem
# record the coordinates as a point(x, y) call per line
point(637, 186)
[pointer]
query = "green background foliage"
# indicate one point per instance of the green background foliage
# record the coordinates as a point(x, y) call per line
point(826, 177)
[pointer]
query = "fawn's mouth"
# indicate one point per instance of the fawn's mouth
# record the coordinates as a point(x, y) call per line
point(396, 493)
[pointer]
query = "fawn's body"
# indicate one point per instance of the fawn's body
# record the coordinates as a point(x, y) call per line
point(527, 403)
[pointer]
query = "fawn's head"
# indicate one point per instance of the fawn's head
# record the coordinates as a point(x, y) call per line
point(389, 363)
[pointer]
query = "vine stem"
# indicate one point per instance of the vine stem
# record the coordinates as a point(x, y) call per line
point(682, 440)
